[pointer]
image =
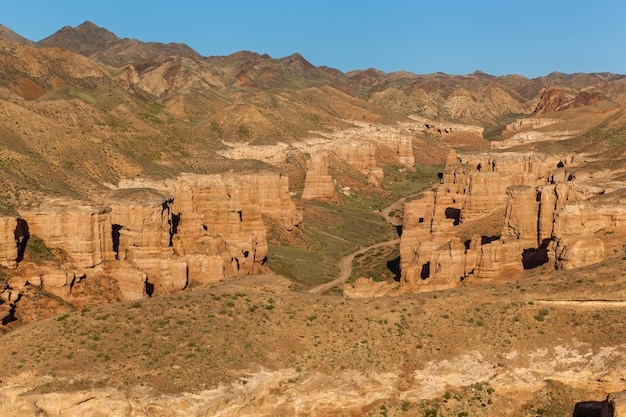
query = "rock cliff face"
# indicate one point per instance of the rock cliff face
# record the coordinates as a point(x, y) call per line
point(146, 237)
point(13, 235)
point(142, 228)
point(216, 223)
point(356, 146)
point(318, 183)
point(272, 154)
point(549, 216)
point(524, 131)
point(439, 128)
point(220, 219)
point(81, 229)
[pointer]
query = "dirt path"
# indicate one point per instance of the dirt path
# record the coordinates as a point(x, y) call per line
point(345, 263)
point(345, 267)
point(392, 220)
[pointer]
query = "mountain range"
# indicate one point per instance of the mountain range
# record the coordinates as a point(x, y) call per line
point(104, 96)
point(143, 184)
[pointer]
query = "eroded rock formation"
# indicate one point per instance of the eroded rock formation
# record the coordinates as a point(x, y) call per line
point(13, 235)
point(550, 215)
point(146, 236)
point(81, 229)
point(318, 183)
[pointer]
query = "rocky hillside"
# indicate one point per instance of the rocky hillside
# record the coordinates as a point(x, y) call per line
point(131, 170)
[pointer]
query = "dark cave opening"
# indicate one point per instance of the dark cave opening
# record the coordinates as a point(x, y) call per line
point(22, 235)
point(454, 214)
point(532, 258)
point(175, 223)
point(115, 235)
point(394, 266)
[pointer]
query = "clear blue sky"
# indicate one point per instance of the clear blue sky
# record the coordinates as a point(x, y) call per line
point(528, 37)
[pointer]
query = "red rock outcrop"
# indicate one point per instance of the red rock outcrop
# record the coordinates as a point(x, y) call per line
point(217, 221)
point(220, 217)
point(550, 215)
point(473, 187)
point(576, 251)
point(500, 255)
point(81, 229)
point(141, 232)
point(362, 156)
point(553, 99)
point(13, 236)
point(318, 184)
point(149, 236)
point(522, 212)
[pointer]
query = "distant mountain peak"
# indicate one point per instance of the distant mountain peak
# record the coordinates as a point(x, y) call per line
point(88, 24)
point(98, 43)
point(8, 35)
point(295, 61)
point(482, 74)
point(85, 39)
point(91, 29)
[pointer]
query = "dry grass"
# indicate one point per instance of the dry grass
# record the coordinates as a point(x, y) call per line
point(196, 340)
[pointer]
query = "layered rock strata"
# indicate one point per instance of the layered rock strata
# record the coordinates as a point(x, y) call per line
point(446, 128)
point(523, 131)
point(217, 224)
point(147, 236)
point(356, 146)
point(271, 154)
point(318, 183)
point(142, 228)
point(549, 216)
point(13, 235)
point(81, 229)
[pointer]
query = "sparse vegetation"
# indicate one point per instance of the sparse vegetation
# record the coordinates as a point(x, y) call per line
point(80, 136)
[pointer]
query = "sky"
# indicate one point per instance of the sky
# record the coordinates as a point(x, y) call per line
point(531, 37)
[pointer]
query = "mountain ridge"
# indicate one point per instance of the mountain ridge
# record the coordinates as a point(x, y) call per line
point(142, 184)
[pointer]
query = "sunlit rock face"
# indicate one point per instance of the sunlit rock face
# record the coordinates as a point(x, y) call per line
point(555, 210)
point(318, 184)
point(146, 236)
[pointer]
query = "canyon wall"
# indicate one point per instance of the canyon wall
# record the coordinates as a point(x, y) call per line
point(318, 183)
point(146, 236)
point(356, 146)
point(554, 210)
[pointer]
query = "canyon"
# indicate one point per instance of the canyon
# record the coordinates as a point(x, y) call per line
point(244, 235)
point(151, 237)
point(555, 210)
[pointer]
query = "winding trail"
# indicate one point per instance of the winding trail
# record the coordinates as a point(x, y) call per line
point(345, 263)
point(345, 267)
point(392, 220)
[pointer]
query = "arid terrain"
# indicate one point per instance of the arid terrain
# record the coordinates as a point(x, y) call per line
point(246, 235)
